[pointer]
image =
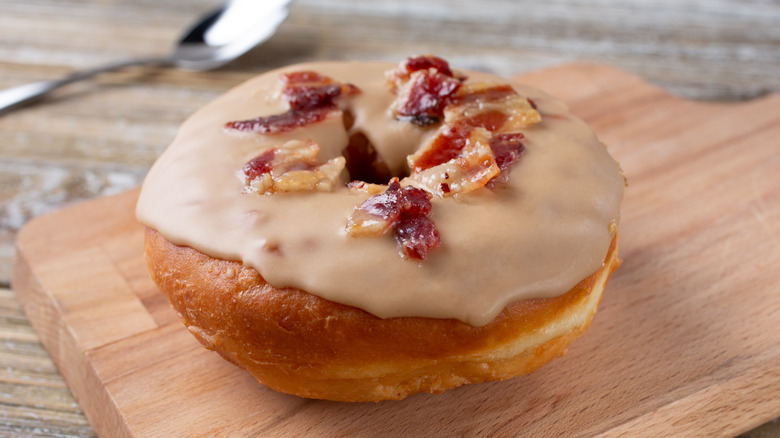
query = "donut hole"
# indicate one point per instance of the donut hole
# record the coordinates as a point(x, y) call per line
point(363, 163)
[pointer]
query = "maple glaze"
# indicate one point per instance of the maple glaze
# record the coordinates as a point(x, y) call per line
point(545, 229)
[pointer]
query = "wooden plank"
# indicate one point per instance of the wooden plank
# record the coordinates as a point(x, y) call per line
point(33, 396)
point(684, 344)
point(167, 367)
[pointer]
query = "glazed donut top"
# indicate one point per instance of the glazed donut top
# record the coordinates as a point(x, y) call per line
point(534, 231)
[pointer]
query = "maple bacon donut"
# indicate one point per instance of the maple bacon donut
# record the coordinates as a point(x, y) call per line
point(367, 231)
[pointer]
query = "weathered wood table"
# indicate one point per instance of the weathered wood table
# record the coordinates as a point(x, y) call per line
point(99, 138)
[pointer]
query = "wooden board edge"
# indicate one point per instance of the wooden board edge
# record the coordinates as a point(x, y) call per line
point(41, 309)
point(586, 79)
point(716, 410)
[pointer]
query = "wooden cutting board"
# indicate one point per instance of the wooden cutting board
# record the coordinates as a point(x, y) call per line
point(686, 341)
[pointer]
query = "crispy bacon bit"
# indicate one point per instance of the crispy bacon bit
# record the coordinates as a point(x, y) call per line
point(311, 96)
point(305, 90)
point(445, 146)
point(494, 107)
point(292, 167)
point(423, 85)
point(377, 214)
point(492, 120)
point(405, 211)
point(507, 149)
point(462, 158)
point(280, 122)
point(399, 76)
point(364, 187)
point(451, 141)
point(259, 165)
point(299, 77)
point(417, 235)
point(483, 92)
point(473, 167)
point(423, 98)
point(426, 62)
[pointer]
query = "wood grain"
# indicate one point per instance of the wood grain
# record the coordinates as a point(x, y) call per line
point(34, 399)
point(684, 344)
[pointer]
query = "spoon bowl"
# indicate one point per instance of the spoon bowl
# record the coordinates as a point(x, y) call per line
point(228, 32)
point(216, 39)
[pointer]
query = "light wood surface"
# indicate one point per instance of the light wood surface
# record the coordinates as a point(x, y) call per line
point(98, 138)
point(684, 344)
point(34, 398)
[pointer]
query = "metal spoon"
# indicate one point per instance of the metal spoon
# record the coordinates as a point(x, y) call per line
point(218, 38)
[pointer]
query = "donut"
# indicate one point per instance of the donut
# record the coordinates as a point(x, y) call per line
point(364, 231)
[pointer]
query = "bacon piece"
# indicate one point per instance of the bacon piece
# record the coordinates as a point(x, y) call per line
point(497, 108)
point(312, 98)
point(426, 62)
point(462, 158)
point(295, 78)
point(492, 120)
point(417, 235)
point(447, 144)
point(400, 75)
point(259, 165)
point(423, 85)
point(305, 90)
point(472, 167)
point(482, 92)
point(281, 122)
point(507, 149)
point(292, 167)
point(405, 211)
point(377, 214)
point(364, 187)
point(423, 98)
point(452, 140)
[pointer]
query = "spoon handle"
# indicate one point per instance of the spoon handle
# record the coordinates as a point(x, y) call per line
point(16, 97)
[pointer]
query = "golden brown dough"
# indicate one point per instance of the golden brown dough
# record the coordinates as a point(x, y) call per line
point(298, 343)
